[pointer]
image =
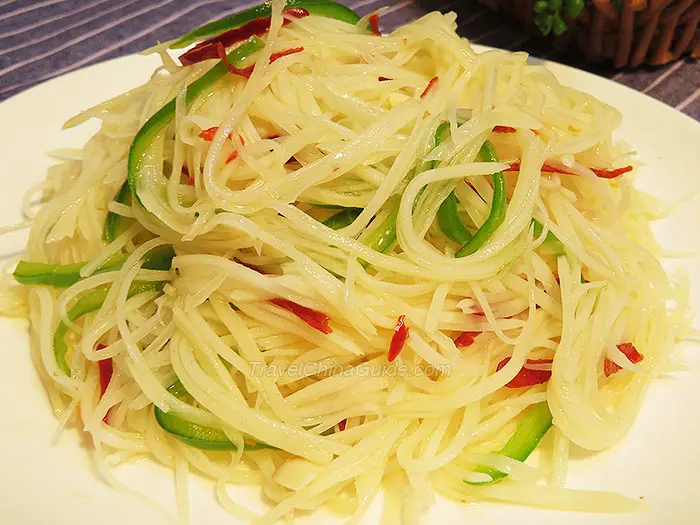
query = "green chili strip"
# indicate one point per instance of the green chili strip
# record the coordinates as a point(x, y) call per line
point(327, 206)
point(65, 275)
point(448, 215)
point(139, 151)
point(498, 206)
point(527, 436)
point(90, 302)
point(551, 245)
point(384, 237)
point(116, 224)
point(193, 434)
point(381, 239)
point(343, 218)
point(315, 7)
point(449, 221)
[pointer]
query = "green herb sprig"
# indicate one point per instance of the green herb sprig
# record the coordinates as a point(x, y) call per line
point(549, 14)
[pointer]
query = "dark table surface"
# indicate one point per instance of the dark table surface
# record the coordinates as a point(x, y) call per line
point(41, 39)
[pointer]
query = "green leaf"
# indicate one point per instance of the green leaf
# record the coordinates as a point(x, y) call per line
point(573, 8)
point(541, 7)
point(546, 26)
point(558, 25)
point(541, 19)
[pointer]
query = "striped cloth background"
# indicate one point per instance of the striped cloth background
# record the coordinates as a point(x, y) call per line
point(41, 39)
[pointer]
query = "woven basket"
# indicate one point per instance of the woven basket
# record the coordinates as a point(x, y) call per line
point(652, 32)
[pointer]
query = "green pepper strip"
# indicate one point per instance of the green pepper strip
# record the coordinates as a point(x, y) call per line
point(65, 275)
point(115, 224)
point(384, 237)
point(315, 7)
point(343, 218)
point(498, 206)
point(551, 245)
point(449, 221)
point(193, 434)
point(327, 206)
point(447, 215)
point(527, 436)
point(153, 126)
point(381, 239)
point(90, 302)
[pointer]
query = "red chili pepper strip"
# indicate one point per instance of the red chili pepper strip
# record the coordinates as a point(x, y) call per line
point(374, 23)
point(504, 129)
point(630, 352)
point(430, 85)
point(248, 71)
point(208, 49)
point(528, 376)
point(106, 370)
point(602, 173)
point(244, 72)
point(384, 79)
point(208, 134)
point(276, 56)
point(189, 179)
point(233, 156)
point(342, 425)
point(466, 339)
point(611, 174)
point(546, 168)
point(398, 340)
point(314, 319)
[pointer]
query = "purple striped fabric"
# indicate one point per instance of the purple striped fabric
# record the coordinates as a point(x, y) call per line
point(40, 40)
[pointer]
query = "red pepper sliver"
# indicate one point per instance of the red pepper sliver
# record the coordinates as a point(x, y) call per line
point(208, 49)
point(546, 168)
point(233, 156)
point(398, 340)
point(314, 319)
point(466, 339)
point(611, 174)
point(430, 85)
point(384, 79)
point(105, 368)
point(602, 173)
point(276, 56)
point(245, 72)
point(631, 353)
point(504, 129)
point(189, 179)
point(527, 376)
point(342, 424)
point(208, 134)
point(374, 23)
point(248, 71)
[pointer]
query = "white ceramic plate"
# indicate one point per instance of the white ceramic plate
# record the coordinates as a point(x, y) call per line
point(43, 484)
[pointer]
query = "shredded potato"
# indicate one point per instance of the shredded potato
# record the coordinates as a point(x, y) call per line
point(344, 124)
